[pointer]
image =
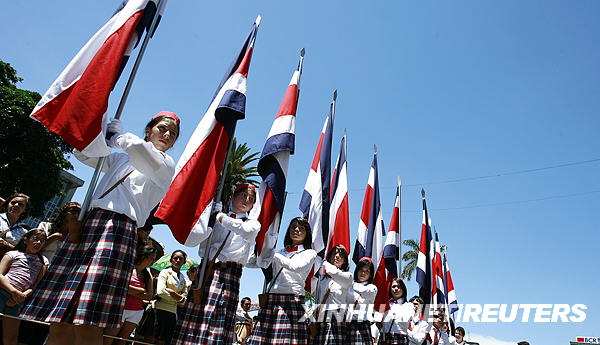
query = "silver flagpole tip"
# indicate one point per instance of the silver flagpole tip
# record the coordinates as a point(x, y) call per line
point(302, 52)
point(345, 131)
point(335, 94)
point(399, 181)
point(422, 193)
point(374, 148)
point(257, 21)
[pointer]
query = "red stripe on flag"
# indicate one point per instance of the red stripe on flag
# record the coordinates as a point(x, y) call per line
point(290, 101)
point(382, 286)
point(341, 228)
point(76, 113)
point(245, 64)
point(194, 185)
point(317, 158)
point(267, 214)
point(367, 203)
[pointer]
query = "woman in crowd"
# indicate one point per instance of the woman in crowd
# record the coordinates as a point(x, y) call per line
point(279, 321)
point(140, 289)
point(12, 212)
point(396, 318)
point(362, 295)
point(332, 293)
point(212, 320)
point(20, 271)
point(171, 290)
point(74, 296)
point(59, 226)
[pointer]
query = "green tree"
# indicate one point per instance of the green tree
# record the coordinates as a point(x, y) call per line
point(31, 157)
point(239, 170)
point(410, 258)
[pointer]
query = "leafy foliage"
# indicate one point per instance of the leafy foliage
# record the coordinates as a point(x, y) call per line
point(239, 170)
point(411, 256)
point(31, 157)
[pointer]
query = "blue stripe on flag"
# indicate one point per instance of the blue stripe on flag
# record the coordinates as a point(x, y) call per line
point(272, 174)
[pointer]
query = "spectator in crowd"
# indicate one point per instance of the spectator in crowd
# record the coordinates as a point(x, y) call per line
point(332, 293)
point(211, 318)
point(20, 271)
point(192, 277)
point(134, 182)
point(171, 290)
point(417, 328)
point(459, 334)
point(59, 226)
point(436, 335)
point(12, 212)
point(140, 289)
point(278, 320)
point(395, 321)
point(243, 321)
point(361, 295)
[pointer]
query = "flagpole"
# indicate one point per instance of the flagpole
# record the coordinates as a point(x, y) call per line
point(399, 227)
point(149, 33)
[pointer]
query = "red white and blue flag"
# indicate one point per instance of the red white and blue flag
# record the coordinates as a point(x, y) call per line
point(391, 250)
point(369, 241)
point(449, 288)
point(424, 269)
point(75, 105)
point(273, 168)
point(339, 216)
point(188, 204)
point(437, 289)
point(315, 201)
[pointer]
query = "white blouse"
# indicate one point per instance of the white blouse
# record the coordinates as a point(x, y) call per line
point(295, 267)
point(144, 187)
point(360, 297)
point(338, 282)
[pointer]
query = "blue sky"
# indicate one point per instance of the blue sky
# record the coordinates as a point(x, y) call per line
point(446, 90)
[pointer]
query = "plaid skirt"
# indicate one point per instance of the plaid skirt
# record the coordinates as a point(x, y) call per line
point(279, 323)
point(332, 333)
point(87, 282)
point(213, 321)
point(359, 332)
point(394, 339)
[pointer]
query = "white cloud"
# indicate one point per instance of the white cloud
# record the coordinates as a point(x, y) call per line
point(487, 340)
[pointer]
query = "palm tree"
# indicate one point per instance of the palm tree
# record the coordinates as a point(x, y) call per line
point(410, 258)
point(239, 170)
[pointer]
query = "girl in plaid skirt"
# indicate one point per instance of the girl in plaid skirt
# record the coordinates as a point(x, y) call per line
point(396, 319)
point(279, 322)
point(85, 288)
point(212, 321)
point(361, 295)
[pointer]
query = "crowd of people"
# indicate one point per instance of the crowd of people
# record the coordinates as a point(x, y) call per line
point(90, 280)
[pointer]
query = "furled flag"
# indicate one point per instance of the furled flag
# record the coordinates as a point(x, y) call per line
point(450, 292)
point(187, 206)
point(273, 167)
point(438, 295)
point(391, 250)
point(315, 201)
point(369, 241)
point(74, 107)
point(339, 216)
point(424, 271)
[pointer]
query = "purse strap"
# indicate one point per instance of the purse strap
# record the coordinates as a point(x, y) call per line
point(115, 185)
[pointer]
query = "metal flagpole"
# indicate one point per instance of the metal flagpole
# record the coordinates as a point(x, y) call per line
point(149, 33)
point(399, 227)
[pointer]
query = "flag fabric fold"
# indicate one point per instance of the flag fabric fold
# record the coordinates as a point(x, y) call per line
point(424, 271)
point(75, 105)
point(449, 285)
point(187, 206)
point(438, 289)
point(369, 241)
point(391, 250)
point(339, 216)
point(273, 168)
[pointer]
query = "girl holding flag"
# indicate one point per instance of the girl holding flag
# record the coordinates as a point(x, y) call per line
point(362, 295)
point(85, 288)
point(278, 321)
point(398, 315)
point(212, 321)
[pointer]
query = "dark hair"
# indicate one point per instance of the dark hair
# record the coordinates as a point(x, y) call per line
point(57, 221)
point(418, 299)
point(303, 223)
point(143, 252)
point(460, 329)
point(156, 120)
point(523, 343)
point(240, 190)
point(245, 299)
point(361, 264)
point(193, 269)
point(178, 251)
point(4, 207)
point(342, 250)
point(21, 245)
point(402, 285)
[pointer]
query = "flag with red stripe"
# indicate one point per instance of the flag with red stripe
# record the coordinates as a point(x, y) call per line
point(391, 250)
point(339, 215)
point(273, 168)
point(449, 285)
point(369, 241)
point(438, 294)
point(424, 270)
point(187, 206)
point(75, 105)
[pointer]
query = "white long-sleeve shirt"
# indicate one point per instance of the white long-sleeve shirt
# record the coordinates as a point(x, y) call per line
point(239, 243)
point(396, 318)
point(144, 187)
point(419, 330)
point(295, 267)
point(360, 297)
point(437, 337)
point(338, 282)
